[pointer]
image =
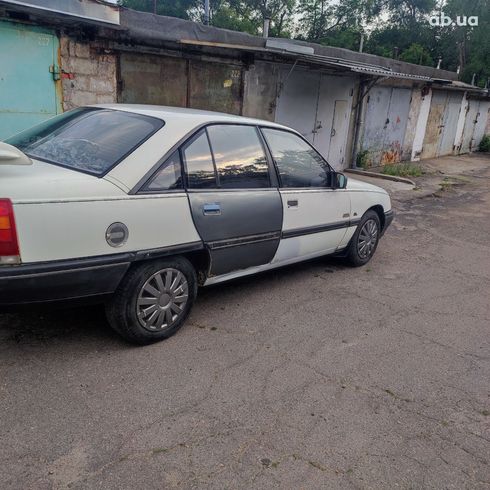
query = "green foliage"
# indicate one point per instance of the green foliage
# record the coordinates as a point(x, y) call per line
point(485, 144)
point(402, 170)
point(172, 8)
point(362, 159)
point(417, 54)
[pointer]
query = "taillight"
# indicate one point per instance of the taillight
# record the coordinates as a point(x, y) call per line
point(9, 247)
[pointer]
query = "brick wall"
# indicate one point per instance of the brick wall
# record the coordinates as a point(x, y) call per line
point(89, 77)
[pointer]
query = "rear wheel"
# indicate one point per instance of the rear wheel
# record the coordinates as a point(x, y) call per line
point(153, 301)
point(365, 240)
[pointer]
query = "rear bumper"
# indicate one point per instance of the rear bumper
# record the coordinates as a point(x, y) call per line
point(68, 281)
point(60, 281)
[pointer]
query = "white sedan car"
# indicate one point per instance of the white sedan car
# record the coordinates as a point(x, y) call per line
point(137, 206)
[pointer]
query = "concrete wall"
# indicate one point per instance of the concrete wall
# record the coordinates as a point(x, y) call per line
point(88, 76)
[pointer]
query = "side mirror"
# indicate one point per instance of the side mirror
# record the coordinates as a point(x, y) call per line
point(339, 180)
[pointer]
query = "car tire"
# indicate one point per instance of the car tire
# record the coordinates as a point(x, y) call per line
point(153, 300)
point(365, 240)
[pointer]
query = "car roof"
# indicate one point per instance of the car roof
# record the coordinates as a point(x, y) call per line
point(197, 116)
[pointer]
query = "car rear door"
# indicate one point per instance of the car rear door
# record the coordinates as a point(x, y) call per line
point(316, 215)
point(235, 203)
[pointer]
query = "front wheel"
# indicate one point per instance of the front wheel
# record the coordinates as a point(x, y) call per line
point(153, 300)
point(365, 240)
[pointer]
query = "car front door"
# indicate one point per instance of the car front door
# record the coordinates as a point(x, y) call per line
point(235, 203)
point(316, 215)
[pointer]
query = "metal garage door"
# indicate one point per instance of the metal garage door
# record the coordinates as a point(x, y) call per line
point(469, 125)
point(28, 91)
point(156, 80)
point(481, 123)
point(434, 124)
point(162, 80)
point(318, 106)
point(449, 124)
point(385, 124)
point(442, 124)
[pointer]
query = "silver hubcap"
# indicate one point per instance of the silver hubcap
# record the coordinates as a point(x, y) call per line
point(162, 299)
point(368, 238)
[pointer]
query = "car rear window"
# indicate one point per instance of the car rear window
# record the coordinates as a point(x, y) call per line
point(90, 140)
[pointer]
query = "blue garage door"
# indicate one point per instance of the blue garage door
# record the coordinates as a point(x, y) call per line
point(28, 91)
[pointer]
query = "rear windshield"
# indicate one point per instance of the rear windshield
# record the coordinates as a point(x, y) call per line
point(89, 139)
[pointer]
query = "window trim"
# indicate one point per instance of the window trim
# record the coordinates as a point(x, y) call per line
point(145, 190)
point(188, 143)
point(300, 136)
point(121, 159)
point(273, 176)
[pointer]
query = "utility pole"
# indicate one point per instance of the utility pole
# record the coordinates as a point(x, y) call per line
point(206, 12)
point(265, 28)
point(154, 6)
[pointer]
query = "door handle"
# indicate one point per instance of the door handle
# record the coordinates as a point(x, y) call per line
point(211, 209)
point(293, 204)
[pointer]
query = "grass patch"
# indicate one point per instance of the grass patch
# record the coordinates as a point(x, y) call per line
point(485, 144)
point(403, 170)
point(362, 159)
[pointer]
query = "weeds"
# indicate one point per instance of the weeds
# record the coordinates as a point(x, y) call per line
point(485, 144)
point(362, 159)
point(403, 170)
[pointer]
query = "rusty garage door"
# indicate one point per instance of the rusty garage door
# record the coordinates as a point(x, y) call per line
point(161, 80)
point(387, 110)
point(476, 120)
point(442, 123)
point(449, 123)
point(147, 79)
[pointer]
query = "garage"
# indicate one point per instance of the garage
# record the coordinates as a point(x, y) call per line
point(387, 110)
point(179, 82)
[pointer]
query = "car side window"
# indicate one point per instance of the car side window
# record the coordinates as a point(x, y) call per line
point(199, 164)
point(299, 165)
point(239, 156)
point(169, 177)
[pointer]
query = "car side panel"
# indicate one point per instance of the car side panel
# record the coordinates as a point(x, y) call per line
point(314, 225)
point(59, 230)
point(243, 230)
point(361, 201)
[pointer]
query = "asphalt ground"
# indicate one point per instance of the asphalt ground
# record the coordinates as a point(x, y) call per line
point(312, 376)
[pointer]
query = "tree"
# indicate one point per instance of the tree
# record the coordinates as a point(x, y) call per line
point(466, 45)
point(330, 22)
point(417, 54)
point(172, 8)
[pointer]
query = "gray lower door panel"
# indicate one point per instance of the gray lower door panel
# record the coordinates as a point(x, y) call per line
point(241, 228)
